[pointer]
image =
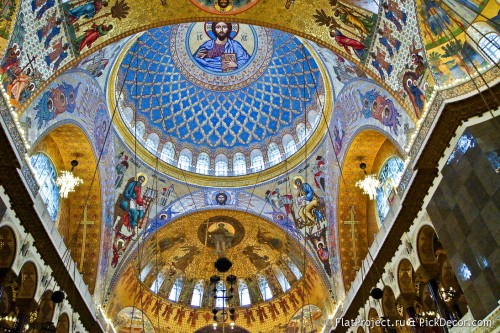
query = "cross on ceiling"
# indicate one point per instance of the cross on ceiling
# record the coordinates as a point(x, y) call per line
point(352, 222)
point(85, 223)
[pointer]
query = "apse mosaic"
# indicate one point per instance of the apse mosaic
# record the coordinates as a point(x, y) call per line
point(270, 82)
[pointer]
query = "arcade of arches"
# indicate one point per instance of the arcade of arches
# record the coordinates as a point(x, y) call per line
point(222, 148)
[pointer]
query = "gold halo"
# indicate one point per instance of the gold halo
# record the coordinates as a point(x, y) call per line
point(295, 178)
point(145, 177)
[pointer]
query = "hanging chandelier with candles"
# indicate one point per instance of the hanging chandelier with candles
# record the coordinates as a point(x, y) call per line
point(67, 181)
point(369, 184)
point(223, 294)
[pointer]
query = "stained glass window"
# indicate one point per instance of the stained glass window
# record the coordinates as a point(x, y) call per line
point(46, 174)
point(389, 177)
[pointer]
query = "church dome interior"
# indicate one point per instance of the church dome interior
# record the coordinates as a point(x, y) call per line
point(249, 166)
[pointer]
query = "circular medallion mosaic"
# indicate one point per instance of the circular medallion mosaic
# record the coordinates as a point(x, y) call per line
point(221, 56)
point(224, 6)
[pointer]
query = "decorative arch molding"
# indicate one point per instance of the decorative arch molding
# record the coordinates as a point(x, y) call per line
point(425, 246)
point(389, 308)
point(63, 323)
point(75, 102)
point(28, 281)
point(406, 277)
point(8, 247)
point(349, 195)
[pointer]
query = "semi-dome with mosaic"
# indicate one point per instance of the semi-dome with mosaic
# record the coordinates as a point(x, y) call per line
point(178, 266)
point(219, 98)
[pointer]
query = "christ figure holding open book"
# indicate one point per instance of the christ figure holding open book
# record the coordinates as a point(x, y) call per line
point(222, 53)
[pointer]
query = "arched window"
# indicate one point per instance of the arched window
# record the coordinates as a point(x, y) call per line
point(152, 142)
point(257, 160)
point(273, 153)
point(197, 298)
point(301, 133)
point(45, 175)
point(295, 270)
point(285, 285)
point(139, 131)
point(155, 287)
point(221, 165)
point(220, 301)
point(239, 164)
point(289, 145)
point(203, 163)
point(168, 152)
point(145, 271)
point(128, 115)
point(185, 159)
point(312, 117)
point(265, 290)
point(175, 292)
point(389, 177)
point(244, 293)
point(490, 45)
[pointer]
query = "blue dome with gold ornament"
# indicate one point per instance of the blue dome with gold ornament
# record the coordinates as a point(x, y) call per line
point(220, 88)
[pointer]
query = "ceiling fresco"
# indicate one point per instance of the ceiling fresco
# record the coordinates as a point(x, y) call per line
point(385, 43)
point(452, 31)
point(174, 84)
point(364, 73)
point(255, 246)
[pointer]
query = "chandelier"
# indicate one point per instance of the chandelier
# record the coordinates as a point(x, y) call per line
point(222, 295)
point(369, 184)
point(67, 181)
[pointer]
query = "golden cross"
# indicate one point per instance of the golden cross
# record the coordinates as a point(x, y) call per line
point(352, 222)
point(85, 223)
